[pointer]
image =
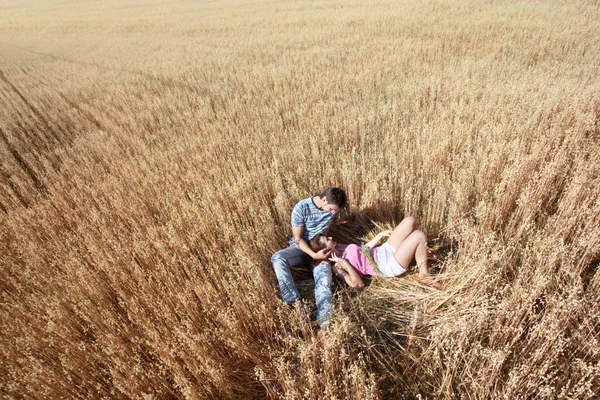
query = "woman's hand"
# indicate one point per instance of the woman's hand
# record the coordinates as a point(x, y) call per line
point(375, 241)
point(340, 262)
point(334, 258)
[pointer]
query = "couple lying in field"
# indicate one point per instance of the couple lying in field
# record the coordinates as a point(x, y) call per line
point(310, 245)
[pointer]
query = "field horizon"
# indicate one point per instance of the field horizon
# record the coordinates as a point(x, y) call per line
point(152, 151)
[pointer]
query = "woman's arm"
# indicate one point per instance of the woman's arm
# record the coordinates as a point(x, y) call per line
point(373, 242)
point(350, 276)
point(339, 273)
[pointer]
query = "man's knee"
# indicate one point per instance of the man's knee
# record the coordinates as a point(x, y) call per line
point(275, 257)
point(279, 261)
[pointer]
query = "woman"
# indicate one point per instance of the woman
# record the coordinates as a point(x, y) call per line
point(388, 260)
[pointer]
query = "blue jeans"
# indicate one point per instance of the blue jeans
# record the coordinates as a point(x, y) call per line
point(283, 260)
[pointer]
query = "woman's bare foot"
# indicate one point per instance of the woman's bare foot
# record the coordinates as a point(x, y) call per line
point(430, 281)
point(432, 254)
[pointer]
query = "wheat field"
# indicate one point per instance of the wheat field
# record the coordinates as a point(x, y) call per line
point(152, 152)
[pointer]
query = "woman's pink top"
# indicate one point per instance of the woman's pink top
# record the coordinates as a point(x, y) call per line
point(353, 254)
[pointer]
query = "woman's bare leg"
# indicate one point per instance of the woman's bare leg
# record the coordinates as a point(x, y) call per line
point(415, 245)
point(402, 231)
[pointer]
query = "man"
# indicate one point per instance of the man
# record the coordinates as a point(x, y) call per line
point(310, 217)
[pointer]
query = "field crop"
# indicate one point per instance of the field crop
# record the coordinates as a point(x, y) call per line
point(151, 153)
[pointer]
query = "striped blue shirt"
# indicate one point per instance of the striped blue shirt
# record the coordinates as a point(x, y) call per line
point(315, 221)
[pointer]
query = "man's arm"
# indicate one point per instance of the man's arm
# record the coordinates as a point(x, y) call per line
point(297, 232)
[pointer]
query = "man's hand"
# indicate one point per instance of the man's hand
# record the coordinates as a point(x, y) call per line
point(322, 254)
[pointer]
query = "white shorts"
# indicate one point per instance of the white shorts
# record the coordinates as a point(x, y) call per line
point(387, 264)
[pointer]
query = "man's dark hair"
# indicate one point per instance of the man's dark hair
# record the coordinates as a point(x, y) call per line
point(335, 196)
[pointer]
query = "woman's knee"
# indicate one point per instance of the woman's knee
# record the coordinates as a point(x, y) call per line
point(419, 236)
point(410, 221)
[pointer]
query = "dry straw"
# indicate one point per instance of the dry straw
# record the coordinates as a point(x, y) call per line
point(151, 155)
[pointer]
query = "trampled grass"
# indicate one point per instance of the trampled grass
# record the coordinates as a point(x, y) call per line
point(151, 154)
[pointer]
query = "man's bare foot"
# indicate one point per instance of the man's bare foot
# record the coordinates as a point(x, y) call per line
point(322, 335)
point(301, 311)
